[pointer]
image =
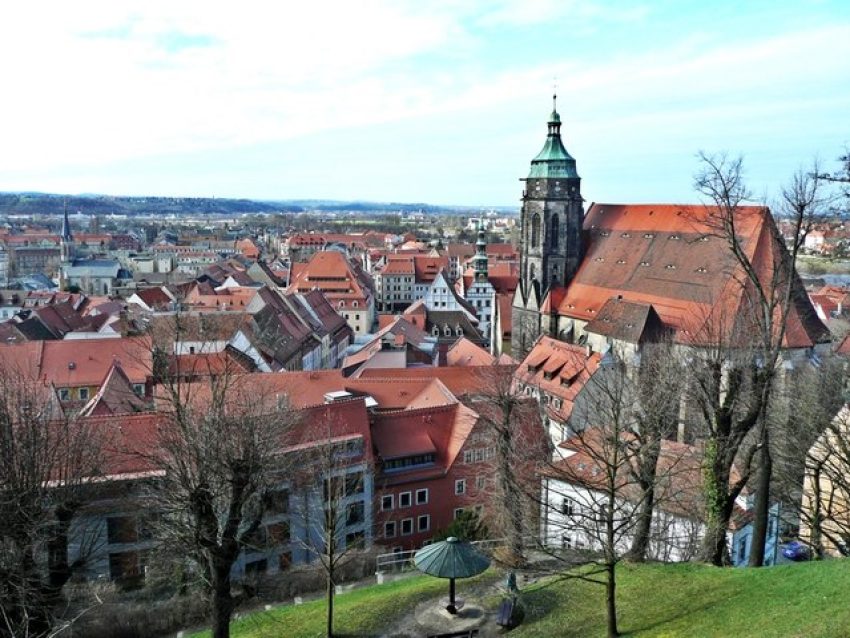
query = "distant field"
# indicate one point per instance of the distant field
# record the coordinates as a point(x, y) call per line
point(808, 265)
point(688, 600)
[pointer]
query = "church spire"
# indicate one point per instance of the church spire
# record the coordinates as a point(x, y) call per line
point(66, 239)
point(553, 161)
point(66, 224)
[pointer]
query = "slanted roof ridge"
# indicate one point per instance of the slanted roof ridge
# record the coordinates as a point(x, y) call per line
point(440, 407)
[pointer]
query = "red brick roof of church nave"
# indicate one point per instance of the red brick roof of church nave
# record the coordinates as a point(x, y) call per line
point(669, 256)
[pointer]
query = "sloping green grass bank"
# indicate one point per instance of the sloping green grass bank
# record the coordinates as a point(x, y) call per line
point(811, 600)
point(804, 600)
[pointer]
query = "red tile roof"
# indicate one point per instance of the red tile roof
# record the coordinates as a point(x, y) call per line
point(465, 353)
point(669, 256)
point(559, 369)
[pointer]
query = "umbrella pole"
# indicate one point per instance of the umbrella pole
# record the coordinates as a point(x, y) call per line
point(452, 609)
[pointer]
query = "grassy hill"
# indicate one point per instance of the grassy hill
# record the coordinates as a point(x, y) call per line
point(654, 600)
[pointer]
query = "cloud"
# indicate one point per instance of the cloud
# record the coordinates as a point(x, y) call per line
point(94, 83)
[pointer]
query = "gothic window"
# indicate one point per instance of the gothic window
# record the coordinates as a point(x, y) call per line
point(553, 230)
point(535, 231)
point(532, 272)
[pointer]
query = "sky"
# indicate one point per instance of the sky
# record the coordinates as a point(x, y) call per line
point(441, 101)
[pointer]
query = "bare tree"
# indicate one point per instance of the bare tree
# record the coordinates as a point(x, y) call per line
point(333, 484)
point(842, 176)
point(596, 490)
point(736, 391)
point(46, 462)
point(657, 386)
point(218, 450)
point(511, 421)
point(814, 462)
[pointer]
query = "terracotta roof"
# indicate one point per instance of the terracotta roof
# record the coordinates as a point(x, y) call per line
point(626, 321)
point(330, 272)
point(560, 369)
point(427, 267)
point(460, 250)
point(844, 346)
point(155, 298)
point(460, 381)
point(441, 319)
point(502, 275)
point(76, 364)
point(116, 395)
point(442, 430)
point(669, 256)
point(466, 353)
point(398, 265)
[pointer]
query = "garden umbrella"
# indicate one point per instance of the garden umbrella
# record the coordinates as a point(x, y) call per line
point(451, 559)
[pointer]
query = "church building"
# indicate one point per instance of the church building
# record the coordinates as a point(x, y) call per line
point(624, 273)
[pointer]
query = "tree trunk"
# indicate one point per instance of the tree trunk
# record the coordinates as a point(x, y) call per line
point(222, 602)
point(58, 567)
point(643, 526)
point(331, 592)
point(509, 492)
point(761, 506)
point(714, 548)
point(719, 503)
point(610, 599)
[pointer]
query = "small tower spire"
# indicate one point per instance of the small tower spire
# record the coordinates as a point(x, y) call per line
point(66, 240)
point(481, 253)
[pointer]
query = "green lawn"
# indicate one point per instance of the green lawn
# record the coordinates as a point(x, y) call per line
point(360, 612)
point(690, 600)
point(695, 600)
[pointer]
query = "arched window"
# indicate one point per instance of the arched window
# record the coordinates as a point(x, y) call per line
point(532, 273)
point(553, 230)
point(535, 231)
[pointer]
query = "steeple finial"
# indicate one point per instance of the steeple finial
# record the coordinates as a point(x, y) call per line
point(555, 94)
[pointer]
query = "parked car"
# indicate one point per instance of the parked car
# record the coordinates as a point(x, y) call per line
point(796, 551)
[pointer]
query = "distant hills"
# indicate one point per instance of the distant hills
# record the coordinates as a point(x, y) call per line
point(52, 204)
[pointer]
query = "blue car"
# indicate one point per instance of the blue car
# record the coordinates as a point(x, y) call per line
point(796, 551)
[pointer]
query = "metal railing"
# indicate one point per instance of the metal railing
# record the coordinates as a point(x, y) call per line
point(402, 561)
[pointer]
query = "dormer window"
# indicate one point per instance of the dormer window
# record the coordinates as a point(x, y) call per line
point(648, 235)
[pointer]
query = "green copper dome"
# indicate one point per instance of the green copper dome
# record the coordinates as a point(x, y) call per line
point(553, 161)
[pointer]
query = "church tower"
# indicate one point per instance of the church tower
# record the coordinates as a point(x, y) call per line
point(550, 233)
point(66, 240)
point(66, 248)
